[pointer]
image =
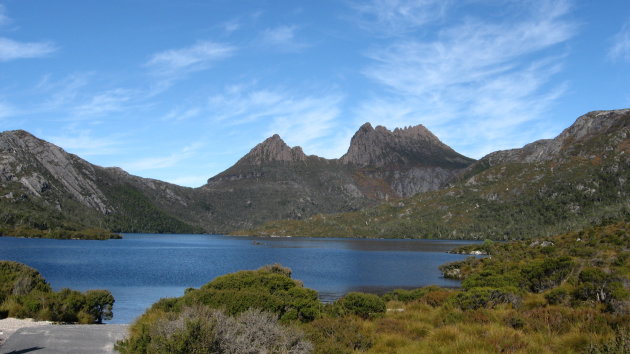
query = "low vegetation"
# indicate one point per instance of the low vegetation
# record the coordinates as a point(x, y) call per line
point(84, 234)
point(24, 293)
point(567, 293)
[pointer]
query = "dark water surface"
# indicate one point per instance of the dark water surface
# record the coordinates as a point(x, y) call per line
point(142, 268)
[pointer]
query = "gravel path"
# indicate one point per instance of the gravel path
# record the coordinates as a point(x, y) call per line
point(8, 326)
point(22, 336)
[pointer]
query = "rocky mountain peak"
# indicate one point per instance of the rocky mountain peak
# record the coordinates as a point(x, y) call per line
point(273, 149)
point(409, 146)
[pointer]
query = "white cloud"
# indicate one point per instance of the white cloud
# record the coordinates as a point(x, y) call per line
point(193, 58)
point(620, 50)
point(397, 17)
point(282, 37)
point(480, 81)
point(299, 119)
point(107, 102)
point(11, 50)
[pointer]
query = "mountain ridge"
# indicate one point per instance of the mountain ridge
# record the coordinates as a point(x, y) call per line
point(548, 186)
point(48, 187)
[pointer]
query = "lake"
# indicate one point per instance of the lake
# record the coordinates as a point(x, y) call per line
point(142, 268)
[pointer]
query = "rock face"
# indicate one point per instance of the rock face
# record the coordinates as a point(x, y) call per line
point(273, 149)
point(31, 159)
point(411, 146)
point(409, 160)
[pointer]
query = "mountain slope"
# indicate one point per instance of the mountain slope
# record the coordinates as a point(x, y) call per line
point(44, 187)
point(549, 186)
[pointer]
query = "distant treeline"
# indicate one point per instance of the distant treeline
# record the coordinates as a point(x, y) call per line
point(85, 234)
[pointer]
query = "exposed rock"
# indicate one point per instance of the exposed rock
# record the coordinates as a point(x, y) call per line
point(37, 155)
point(411, 146)
point(273, 149)
point(568, 142)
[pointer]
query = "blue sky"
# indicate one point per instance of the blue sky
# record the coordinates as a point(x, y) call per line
point(180, 90)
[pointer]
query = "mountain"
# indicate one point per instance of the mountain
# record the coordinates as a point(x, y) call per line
point(409, 160)
point(44, 187)
point(579, 178)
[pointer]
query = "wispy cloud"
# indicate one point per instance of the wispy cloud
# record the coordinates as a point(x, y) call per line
point(620, 50)
point(11, 50)
point(478, 80)
point(197, 57)
point(301, 119)
point(397, 17)
point(283, 38)
point(63, 91)
point(158, 162)
point(180, 114)
point(85, 143)
point(107, 102)
point(4, 18)
point(6, 110)
point(232, 26)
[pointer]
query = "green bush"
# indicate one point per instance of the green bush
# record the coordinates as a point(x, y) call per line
point(559, 296)
point(363, 305)
point(486, 297)
point(26, 294)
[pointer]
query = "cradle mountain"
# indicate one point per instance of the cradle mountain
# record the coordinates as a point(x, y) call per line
point(399, 183)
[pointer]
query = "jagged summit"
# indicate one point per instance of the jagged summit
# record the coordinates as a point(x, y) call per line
point(273, 149)
point(414, 145)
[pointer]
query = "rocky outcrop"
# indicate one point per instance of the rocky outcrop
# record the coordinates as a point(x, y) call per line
point(273, 149)
point(39, 165)
point(568, 143)
point(411, 146)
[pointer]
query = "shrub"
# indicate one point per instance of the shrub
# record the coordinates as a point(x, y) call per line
point(200, 329)
point(485, 297)
point(363, 305)
point(545, 274)
point(403, 295)
point(268, 288)
point(437, 298)
point(559, 296)
point(339, 335)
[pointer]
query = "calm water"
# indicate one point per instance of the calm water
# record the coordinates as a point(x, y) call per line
point(142, 268)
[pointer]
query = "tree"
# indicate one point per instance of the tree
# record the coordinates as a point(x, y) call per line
point(99, 304)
